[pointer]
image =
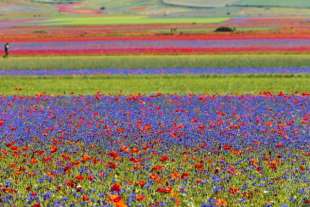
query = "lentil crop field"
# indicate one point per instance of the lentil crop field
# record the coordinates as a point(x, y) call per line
point(151, 104)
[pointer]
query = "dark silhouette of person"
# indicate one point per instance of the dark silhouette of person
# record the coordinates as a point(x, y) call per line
point(6, 49)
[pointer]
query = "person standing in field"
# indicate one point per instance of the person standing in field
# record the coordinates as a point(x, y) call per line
point(6, 50)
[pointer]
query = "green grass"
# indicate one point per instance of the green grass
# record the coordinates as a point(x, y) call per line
point(274, 3)
point(115, 20)
point(147, 61)
point(200, 3)
point(114, 85)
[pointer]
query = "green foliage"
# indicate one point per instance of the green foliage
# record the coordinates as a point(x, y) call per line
point(86, 85)
point(200, 3)
point(148, 61)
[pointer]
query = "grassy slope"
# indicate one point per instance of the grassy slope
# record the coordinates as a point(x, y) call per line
point(128, 20)
point(151, 84)
point(93, 62)
point(199, 3)
point(13, 9)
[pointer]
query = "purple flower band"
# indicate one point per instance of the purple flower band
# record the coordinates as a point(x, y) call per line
point(162, 71)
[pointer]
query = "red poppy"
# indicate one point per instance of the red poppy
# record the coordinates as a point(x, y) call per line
point(157, 168)
point(199, 166)
point(36, 205)
point(164, 158)
point(10, 144)
point(141, 183)
point(227, 147)
point(115, 198)
point(268, 124)
point(233, 190)
point(70, 183)
point(124, 149)
point(175, 176)
point(221, 202)
point(117, 201)
point(116, 187)
point(91, 178)
point(39, 152)
point(140, 197)
point(47, 159)
point(113, 154)
point(155, 177)
point(185, 175)
point(1, 122)
point(134, 160)
point(54, 149)
point(98, 96)
point(85, 158)
point(120, 130)
point(85, 197)
point(14, 148)
point(65, 156)
point(164, 190)
point(147, 128)
point(134, 150)
point(25, 148)
point(111, 165)
point(101, 174)
point(273, 164)
point(199, 181)
point(34, 161)
point(79, 177)
point(254, 162)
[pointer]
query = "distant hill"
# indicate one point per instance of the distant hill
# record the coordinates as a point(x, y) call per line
point(50, 8)
point(239, 3)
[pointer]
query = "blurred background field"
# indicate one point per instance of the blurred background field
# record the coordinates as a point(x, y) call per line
point(50, 8)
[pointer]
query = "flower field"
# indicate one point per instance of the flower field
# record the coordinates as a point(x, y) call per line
point(155, 150)
point(154, 103)
point(163, 45)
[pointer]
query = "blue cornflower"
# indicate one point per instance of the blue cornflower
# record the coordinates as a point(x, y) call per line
point(8, 183)
point(216, 179)
point(47, 196)
point(162, 204)
point(207, 205)
point(217, 189)
point(7, 199)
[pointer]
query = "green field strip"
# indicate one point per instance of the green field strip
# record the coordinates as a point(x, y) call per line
point(148, 61)
point(124, 85)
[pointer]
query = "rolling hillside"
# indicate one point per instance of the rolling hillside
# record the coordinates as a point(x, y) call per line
point(10, 9)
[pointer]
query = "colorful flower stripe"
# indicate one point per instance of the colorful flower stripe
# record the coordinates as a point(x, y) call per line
point(165, 51)
point(152, 44)
point(177, 119)
point(163, 71)
point(67, 34)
